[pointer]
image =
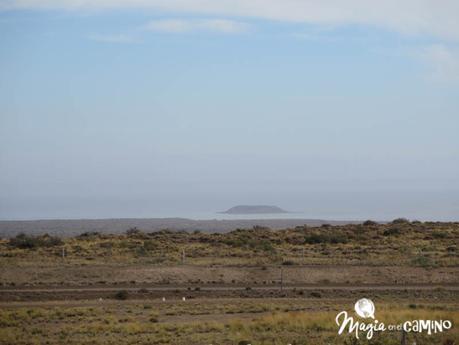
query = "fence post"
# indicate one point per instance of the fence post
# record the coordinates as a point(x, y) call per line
point(282, 278)
point(403, 339)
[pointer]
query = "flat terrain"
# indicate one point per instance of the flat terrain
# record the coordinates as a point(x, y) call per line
point(260, 285)
point(212, 321)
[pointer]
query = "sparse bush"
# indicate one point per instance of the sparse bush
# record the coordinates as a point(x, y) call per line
point(439, 234)
point(266, 246)
point(422, 261)
point(260, 228)
point(106, 245)
point(88, 235)
point(370, 223)
point(325, 238)
point(134, 232)
point(245, 240)
point(141, 251)
point(338, 238)
point(122, 295)
point(24, 241)
point(392, 232)
point(400, 221)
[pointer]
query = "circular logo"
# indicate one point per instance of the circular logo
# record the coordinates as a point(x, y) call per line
point(365, 308)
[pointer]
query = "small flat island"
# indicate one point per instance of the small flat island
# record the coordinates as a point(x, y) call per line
point(254, 209)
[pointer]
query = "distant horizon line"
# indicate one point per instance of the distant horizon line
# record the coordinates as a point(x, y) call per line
point(322, 219)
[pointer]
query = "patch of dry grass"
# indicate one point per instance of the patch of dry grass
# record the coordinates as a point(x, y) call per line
point(127, 323)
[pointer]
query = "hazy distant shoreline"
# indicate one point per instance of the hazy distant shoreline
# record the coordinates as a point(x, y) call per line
point(72, 227)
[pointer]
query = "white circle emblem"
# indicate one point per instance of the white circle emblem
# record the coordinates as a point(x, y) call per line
point(365, 308)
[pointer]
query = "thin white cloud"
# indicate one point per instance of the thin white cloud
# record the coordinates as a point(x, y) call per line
point(120, 38)
point(187, 25)
point(443, 62)
point(431, 17)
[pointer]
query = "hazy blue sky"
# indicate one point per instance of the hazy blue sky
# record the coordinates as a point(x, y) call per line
point(166, 108)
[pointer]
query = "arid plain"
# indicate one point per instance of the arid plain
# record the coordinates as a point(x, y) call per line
point(257, 286)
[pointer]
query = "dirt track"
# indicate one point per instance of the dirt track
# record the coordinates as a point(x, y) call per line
point(56, 275)
point(228, 291)
point(229, 287)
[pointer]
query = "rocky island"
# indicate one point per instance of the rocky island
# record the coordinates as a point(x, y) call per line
point(254, 209)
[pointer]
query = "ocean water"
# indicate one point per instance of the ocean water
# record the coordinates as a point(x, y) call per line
point(381, 206)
